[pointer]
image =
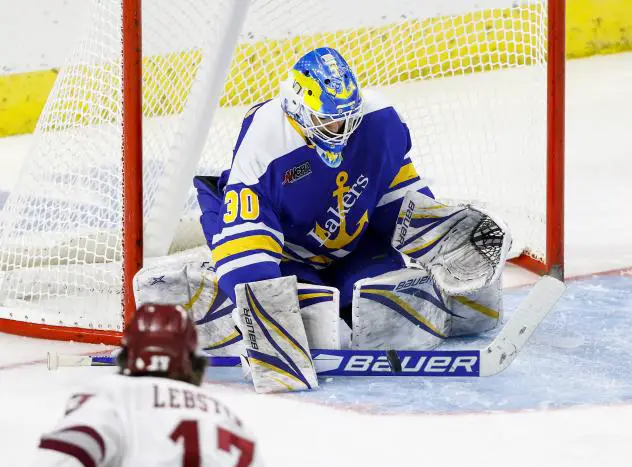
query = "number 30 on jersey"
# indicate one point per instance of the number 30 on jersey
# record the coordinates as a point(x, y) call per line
point(244, 204)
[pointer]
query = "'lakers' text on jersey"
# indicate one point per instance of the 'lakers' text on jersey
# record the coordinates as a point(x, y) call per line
point(279, 202)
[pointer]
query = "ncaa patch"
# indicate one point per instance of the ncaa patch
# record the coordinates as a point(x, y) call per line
point(296, 173)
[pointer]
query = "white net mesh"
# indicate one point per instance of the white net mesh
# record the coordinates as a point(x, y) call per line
point(470, 82)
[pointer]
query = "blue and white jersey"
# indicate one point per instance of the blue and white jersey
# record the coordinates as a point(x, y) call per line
point(282, 203)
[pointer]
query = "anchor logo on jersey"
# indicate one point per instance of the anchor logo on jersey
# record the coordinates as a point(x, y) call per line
point(334, 235)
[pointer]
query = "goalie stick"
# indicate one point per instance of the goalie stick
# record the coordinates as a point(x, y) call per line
point(488, 361)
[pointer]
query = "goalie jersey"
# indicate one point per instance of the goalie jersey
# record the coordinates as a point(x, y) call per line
point(136, 421)
point(280, 204)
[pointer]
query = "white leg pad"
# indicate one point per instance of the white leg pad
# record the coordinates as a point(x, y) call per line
point(188, 279)
point(165, 284)
point(400, 310)
point(320, 312)
point(477, 311)
point(211, 309)
point(274, 335)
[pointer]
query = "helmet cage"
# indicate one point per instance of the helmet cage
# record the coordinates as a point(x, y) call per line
point(315, 125)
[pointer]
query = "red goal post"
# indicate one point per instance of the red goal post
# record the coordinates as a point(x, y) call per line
point(132, 151)
point(553, 263)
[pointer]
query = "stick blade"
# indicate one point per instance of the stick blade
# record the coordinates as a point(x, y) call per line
point(532, 310)
point(54, 360)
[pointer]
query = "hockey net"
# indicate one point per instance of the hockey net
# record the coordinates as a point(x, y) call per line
point(470, 81)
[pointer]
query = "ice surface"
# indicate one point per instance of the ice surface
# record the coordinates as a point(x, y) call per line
point(579, 360)
point(580, 355)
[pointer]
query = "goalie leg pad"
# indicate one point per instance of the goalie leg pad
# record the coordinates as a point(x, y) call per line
point(162, 284)
point(274, 335)
point(477, 311)
point(211, 309)
point(319, 310)
point(187, 279)
point(400, 310)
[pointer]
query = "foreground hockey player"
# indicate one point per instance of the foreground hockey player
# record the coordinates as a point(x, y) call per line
point(321, 212)
point(153, 413)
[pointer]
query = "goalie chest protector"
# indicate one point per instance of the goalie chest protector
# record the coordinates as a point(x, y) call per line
point(322, 210)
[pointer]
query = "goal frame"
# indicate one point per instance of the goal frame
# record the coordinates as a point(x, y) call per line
point(132, 167)
point(132, 152)
point(553, 263)
point(132, 224)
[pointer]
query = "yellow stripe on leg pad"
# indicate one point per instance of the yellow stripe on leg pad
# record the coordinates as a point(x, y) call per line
point(271, 325)
point(254, 361)
point(477, 307)
point(306, 296)
point(405, 307)
point(230, 337)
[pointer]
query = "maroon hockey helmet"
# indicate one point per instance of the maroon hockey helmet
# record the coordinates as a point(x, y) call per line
point(161, 340)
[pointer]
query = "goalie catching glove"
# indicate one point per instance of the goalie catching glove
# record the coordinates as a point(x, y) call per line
point(463, 247)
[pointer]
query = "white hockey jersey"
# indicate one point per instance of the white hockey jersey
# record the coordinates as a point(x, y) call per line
point(147, 421)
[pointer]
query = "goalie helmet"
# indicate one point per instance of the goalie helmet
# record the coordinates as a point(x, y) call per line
point(161, 340)
point(322, 96)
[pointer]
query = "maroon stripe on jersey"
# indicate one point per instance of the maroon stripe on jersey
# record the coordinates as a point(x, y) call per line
point(94, 434)
point(69, 449)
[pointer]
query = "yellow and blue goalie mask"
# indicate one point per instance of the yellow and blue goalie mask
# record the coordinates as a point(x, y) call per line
point(322, 95)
